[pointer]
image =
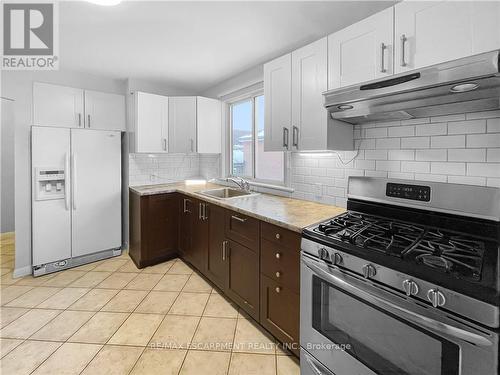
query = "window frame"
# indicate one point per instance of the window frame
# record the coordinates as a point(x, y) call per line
point(251, 96)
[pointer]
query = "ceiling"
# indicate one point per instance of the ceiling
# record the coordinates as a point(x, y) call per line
point(194, 45)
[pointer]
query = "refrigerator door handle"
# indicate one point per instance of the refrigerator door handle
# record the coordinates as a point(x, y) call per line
point(73, 179)
point(66, 187)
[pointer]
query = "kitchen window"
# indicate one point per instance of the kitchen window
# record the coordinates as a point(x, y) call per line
point(248, 159)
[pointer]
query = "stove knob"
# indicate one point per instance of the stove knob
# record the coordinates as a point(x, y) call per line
point(410, 287)
point(369, 271)
point(436, 298)
point(337, 259)
point(323, 254)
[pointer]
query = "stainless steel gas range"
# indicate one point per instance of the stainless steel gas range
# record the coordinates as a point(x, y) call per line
point(405, 282)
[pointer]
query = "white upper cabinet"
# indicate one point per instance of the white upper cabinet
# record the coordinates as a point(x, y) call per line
point(431, 32)
point(104, 111)
point(361, 52)
point(182, 124)
point(278, 104)
point(428, 33)
point(59, 106)
point(151, 123)
point(309, 81)
point(62, 106)
point(208, 125)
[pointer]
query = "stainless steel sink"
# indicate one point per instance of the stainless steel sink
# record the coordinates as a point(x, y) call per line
point(226, 193)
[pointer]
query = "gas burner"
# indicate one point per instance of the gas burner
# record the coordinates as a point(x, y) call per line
point(450, 252)
point(341, 223)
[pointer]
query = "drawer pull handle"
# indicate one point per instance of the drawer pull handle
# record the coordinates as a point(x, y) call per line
point(278, 274)
point(237, 218)
point(278, 289)
point(278, 255)
point(278, 236)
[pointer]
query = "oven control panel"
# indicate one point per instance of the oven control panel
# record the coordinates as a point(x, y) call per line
point(405, 191)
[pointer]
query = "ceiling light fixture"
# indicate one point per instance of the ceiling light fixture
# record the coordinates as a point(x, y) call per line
point(464, 87)
point(105, 2)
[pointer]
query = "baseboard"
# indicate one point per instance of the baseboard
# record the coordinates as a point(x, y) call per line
point(23, 271)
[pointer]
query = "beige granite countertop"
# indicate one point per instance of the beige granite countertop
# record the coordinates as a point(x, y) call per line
point(293, 214)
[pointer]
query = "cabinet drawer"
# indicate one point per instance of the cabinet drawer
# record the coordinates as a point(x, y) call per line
point(280, 236)
point(243, 229)
point(280, 311)
point(281, 264)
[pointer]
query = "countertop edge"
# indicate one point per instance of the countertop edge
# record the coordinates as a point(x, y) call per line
point(227, 205)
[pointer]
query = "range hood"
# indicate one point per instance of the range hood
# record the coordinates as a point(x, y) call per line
point(469, 84)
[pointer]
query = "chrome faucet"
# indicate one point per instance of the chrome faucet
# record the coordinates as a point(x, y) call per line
point(242, 183)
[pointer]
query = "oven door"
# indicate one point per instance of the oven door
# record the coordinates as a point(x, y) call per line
point(353, 326)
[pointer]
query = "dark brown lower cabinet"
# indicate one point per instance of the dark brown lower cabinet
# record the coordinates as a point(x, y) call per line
point(197, 253)
point(280, 312)
point(218, 249)
point(243, 281)
point(153, 228)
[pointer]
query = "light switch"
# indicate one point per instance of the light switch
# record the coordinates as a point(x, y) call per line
point(48, 187)
point(58, 186)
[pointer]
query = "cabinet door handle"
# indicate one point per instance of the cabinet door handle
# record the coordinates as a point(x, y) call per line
point(277, 289)
point(237, 218)
point(403, 42)
point(205, 211)
point(79, 120)
point(278, 274)
point(164, 140)
point(200, 208)
point(295, 136)
point(285, 138)
point(192, 144)
point(88, 121)
point(224, 249)
point(383, 47)
point(185, 210)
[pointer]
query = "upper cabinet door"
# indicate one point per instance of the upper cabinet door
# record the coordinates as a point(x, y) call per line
point(182, 124)
point(431, 32)
point(151, 123)
point(361, 52)
point(57, 106)
point(309, 81)
point(209, 119)
point(278, 104)
point(104, 111)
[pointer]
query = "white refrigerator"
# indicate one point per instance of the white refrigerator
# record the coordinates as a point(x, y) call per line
point(76, 197)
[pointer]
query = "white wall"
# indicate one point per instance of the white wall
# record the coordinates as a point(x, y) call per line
point(18, 85)
point(7, 218)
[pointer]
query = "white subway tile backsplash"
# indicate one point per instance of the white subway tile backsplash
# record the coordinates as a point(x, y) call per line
point(448, 168)
point(493, 155)
point(467, 127)
point(401, 131)
point(448, 141)
point(493, 125)
point(401, 175)
point(376, 133)
point(382, 174)
point(486, 114)
point(493, 182)
point(431, 129)
point(415, 166)
point(483, 140)
point(401, 155)
point(388, 143)
point(483, 169)
point(431, 177)
point(414, 121)
point(415, 142)
point(365, 164)
point(388, 165)
point(431, 155)
point(376, 154)
point(467, 154)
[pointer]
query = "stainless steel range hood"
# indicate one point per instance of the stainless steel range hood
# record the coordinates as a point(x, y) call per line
point(469, 84)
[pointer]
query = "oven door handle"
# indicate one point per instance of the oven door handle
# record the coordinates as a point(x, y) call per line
point(314, 364)
point(411, 316)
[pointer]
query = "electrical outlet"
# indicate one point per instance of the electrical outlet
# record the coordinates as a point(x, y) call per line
point(319, 189)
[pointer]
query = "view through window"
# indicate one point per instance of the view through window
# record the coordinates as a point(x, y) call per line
point(247, 143)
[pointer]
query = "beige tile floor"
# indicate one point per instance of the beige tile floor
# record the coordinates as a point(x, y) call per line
point(111, 318)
